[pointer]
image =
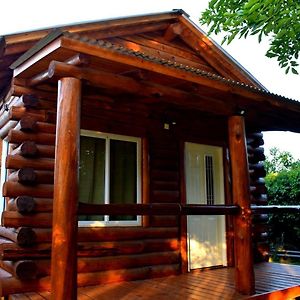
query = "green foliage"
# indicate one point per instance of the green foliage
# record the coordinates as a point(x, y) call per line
point(277, 19)
point(283, 183)
point(279, 161)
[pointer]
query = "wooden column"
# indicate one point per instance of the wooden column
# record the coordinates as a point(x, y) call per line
point(66, 181)
point(244, 272)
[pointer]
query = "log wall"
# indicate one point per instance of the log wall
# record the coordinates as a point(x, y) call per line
point(134, 252)
point(258, 191)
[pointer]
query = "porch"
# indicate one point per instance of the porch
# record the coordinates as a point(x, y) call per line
point(206, 284)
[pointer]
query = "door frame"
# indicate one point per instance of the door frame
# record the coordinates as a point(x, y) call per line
point(227, 200)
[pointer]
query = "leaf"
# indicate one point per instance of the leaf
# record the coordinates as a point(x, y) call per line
point(295, 71)
point(287, 70)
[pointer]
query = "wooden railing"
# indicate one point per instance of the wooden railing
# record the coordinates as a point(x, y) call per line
point(156, 209)
point(179, 209)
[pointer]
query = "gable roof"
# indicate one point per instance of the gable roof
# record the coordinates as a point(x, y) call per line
point(135, 56)
point(175, 23)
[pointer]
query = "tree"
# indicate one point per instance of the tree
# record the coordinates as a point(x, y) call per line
point(283, 183)
point(277, 19)
point(279, 161)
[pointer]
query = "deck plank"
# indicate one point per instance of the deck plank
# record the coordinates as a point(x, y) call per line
point(199, 284)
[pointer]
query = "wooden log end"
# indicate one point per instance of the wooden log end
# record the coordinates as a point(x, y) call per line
point(29, 149)
point(26, 237)
point(28, 123)
point(26, 269)
point(25, 204)
point(29, 101)
point(27, 176)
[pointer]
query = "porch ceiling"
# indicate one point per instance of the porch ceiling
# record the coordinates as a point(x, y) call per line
point(117, 70)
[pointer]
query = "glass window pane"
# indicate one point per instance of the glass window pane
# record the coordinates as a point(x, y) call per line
point(92, 173)
point(123, 175)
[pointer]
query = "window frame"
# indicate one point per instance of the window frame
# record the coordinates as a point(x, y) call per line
point(107, 137)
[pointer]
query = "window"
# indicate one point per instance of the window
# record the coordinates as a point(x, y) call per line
point(209, 180)
point(109, 173)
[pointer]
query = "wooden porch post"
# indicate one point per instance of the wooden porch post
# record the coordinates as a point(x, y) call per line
point(244, 272)
point(64, 236)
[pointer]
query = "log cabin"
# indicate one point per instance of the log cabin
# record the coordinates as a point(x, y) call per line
point(132, 149)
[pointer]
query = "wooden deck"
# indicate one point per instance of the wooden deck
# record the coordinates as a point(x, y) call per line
point(207, 284)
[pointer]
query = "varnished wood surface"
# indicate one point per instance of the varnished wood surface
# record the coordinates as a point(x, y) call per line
point(244, 277)
point(208, 284)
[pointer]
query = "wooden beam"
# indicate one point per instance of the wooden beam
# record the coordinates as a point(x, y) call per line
point(75, 60)
point(275, 209)
point(147, 89)
point(173, 31)
point(244, 272)
point(170, 209)
point(213, 54)
point(230, 90)
point(64, 237)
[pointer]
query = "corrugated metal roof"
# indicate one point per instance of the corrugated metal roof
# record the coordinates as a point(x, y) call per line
point(172, 64)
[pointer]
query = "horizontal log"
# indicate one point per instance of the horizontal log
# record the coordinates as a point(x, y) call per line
point(30, 124)
point(259, 200)
point(259, 189)
point(127, 274)
point(95, 249)
point(14, 189)
point(257, 173)
point(6, 128)
point(258, 181)
point(255, 135)
point(18, 137)
point(27, 204)
point(25, 237)
point(28, 101)
point(164, 175)
point(97, 264)
point(27, 124)
point(160, 221)
point(77, 60)
point(26, 149)
point(156, 209)
point(275, 209)
point(25, 270)
point(30, 149)
point(29, 176)
point(260, 218)
point(145, 89)
point(257, 166)
point(15, 219)
point(11, 285)
point(11, 251)
point(21, 204)
point(165, 185)
point(104, 234)
point(165, 196)
point(255, 141)
point(255, 158)
point(17, 113)
point(16, 162)
point(24, 176)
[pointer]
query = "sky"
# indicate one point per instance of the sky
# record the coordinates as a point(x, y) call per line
point(18, 16)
